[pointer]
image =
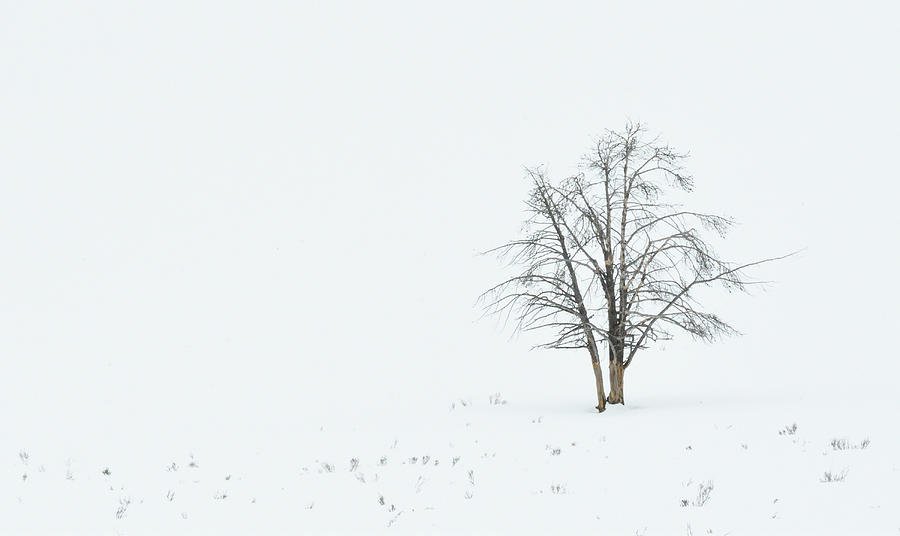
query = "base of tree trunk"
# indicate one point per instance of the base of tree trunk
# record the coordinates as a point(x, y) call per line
point(616, 383)
point(601, 395)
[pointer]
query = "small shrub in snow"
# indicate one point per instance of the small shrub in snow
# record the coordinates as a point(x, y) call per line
point(394, 519)
point(124, 503)
point(845, 444)
point(472, 476)
point(788, 430)
point(327, 467)
point(840, 444)
point(23, 456)
point(704, 492)
point(833, 477)
point(497, 400)
point(354, 463)
point(558, 489)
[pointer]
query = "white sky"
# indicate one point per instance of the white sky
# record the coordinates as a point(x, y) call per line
point(227, 213)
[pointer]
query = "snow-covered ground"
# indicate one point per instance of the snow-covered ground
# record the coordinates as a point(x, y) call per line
point(238, 270)
point(532, 459)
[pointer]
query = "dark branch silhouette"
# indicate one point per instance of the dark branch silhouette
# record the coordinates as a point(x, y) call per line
point(605, 260)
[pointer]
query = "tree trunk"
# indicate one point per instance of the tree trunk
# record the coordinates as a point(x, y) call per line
point(598, 379)
point(616, 382)
point(616, 377)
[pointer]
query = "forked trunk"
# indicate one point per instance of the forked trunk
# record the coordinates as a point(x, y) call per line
point(598, 379)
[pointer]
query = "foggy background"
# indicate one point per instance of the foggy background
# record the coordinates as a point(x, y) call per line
point(246, 221)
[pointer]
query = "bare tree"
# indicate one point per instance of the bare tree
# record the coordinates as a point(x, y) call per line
point(547, 292)
point(606, 259)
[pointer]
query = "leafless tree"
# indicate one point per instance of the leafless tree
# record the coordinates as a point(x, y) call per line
point(605, 260)
point(548, 293)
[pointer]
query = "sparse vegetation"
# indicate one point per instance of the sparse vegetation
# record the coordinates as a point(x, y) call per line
point(788, 430)
point(496, 400)
point(704, 493)
point(845, 444)
point(833, 477)
point(124, 503)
